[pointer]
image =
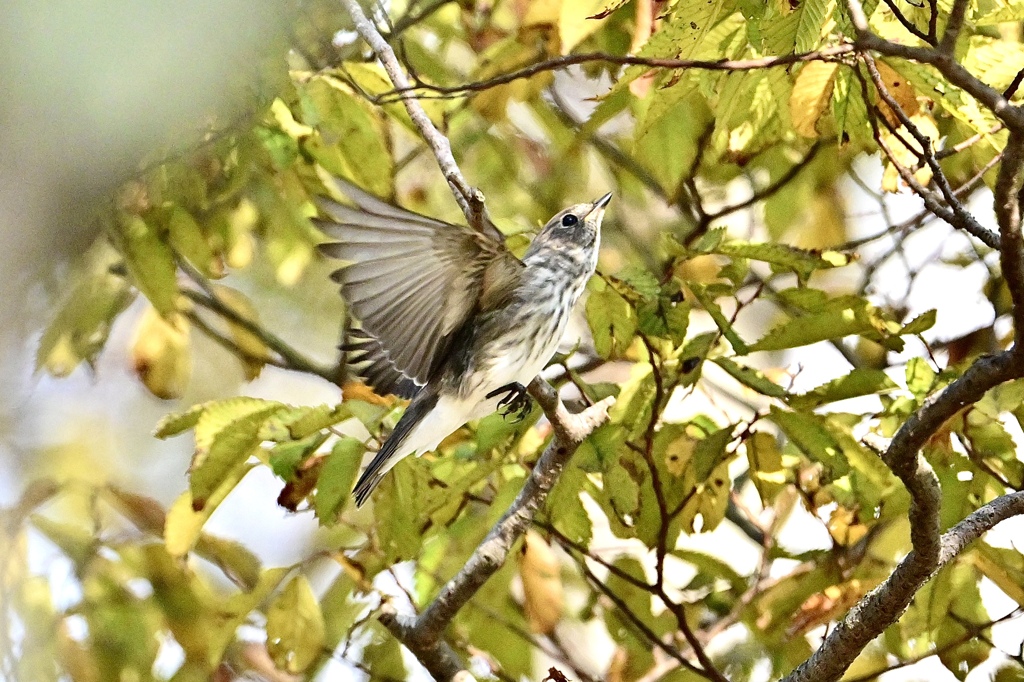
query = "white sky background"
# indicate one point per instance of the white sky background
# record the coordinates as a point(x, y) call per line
point(110, 418)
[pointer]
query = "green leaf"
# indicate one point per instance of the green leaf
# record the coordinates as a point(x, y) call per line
point(921, 323)
point(766, 471)
point(295, 627)
point(351, 140)
point(226, 435)
point(151, 263)
point(814, 24)
point(184, 522)
point(751, 378)
point(179, 422)
point(337, 476)
point(285, 457)
point(82, 324)
point(839, 318)
point(808, 432)
point(856, 383)
point(612, 320)
point(641, 280)
point(707, 301)
point(803, 262)
point(920, 377)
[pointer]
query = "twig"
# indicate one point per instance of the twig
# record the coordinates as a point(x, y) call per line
point(470, 199)
point(290, 358)
point(408, 91)
point(424, 635)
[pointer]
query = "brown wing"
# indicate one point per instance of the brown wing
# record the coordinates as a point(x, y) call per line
point(412, 281)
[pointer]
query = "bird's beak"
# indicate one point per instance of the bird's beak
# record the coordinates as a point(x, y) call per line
point(600, 204)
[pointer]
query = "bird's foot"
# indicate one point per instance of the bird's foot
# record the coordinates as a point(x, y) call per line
point(516, 403)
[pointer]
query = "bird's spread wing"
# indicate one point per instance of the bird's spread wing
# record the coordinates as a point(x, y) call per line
point(368, 360)
point(411, 281)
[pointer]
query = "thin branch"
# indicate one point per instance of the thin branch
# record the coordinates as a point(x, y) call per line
point(424, 635)
point(290, 358)
point(953, 26)
point(407, 91)
point(769, 190)
point(953, 212)
point(907, 23)
point(470, 199)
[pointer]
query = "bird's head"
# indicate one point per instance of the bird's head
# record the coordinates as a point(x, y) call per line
point(579, 224)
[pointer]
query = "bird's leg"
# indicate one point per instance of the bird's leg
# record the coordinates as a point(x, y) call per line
point(517, 401)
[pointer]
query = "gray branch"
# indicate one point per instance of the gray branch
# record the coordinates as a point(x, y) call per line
point(424, 636)
point(932, 550)
point(470, 199)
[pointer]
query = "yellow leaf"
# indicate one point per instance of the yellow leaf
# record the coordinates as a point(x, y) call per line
point(575, 23)
point(183, 525)
point(283, 116)
point(810, 97)
point(901, 91)
point(295, 627)
point(161, 354)
point(542, 584)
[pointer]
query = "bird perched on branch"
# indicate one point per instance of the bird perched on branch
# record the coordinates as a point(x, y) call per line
point(448, 316)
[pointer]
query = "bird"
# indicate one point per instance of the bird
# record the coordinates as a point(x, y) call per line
point(446, 315)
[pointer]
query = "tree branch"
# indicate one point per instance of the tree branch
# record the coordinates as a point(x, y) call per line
point(424, 635)
point(884, 605)
point(470, 199)
point(407, 92)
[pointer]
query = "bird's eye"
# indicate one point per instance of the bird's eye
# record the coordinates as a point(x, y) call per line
point(569, 220)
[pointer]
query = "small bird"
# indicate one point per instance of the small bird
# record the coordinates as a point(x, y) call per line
point(448, 316)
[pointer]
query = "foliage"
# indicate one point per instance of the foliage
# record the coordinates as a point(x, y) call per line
point(720, 296)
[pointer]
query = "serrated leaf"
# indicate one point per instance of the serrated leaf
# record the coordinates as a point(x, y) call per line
point(921, 323)
point(812, 92)
point(803, 330)
point(83, 321)
point(177, 423)
point(700, 293)
point(337, 476)
point(808, 432)
point(612, 320)
point(816, 21)
point(641, 280)
point(351, 140)
point(751, 378)
point(225, 437)
point(857, 382)
point(295, 627)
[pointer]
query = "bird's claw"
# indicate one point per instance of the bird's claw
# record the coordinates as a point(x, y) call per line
point(516, 403)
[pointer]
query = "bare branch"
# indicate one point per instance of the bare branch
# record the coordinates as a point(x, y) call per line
point(953, 212)
point(885, 603)
point(407, 91)
point(470, 199)
point(424, 635)
point(1008, 189)
point(953, 26)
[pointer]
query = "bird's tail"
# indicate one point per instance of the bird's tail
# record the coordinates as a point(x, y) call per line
point(392, 451)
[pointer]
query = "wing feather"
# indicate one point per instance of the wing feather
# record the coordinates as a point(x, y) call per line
point(410, 280)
